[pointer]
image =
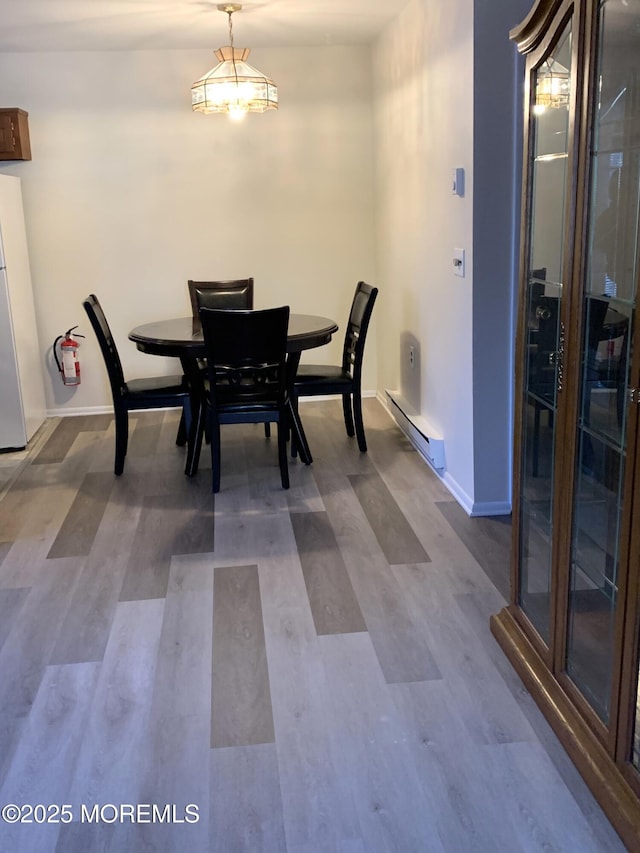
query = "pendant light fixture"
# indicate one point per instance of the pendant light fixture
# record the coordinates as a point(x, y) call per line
point(233, 86)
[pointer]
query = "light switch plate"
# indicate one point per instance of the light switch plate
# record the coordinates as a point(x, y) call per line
point(457, 181)
point(458, 262)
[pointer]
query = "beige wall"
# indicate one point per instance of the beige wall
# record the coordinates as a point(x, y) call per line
point(423, 78)
point(446, 95)
point(129, 193)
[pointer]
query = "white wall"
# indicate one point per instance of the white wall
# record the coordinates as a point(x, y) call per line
point(423, 73)
point(445, 83)
point(129, 193)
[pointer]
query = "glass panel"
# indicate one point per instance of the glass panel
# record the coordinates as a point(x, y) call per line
point(549, 139)
point(609, 313)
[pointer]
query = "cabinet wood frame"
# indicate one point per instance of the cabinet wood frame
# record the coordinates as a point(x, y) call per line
point(601, 752)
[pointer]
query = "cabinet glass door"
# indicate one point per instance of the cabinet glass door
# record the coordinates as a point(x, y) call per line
point(548, 145)
point(609, 315)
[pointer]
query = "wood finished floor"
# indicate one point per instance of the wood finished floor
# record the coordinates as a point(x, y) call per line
point(312, 668)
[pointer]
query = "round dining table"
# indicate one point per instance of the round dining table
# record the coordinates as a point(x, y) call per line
point(181, 337)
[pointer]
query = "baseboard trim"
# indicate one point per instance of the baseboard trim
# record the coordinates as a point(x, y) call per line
point(471, 507)
point(63, 412)
point(335, 396)
point(484, 508)
point(475, 509)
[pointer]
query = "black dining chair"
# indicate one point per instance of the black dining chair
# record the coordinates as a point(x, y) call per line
point(246, 362)
point(235, 293)
point(160, 392)
point(346, 378)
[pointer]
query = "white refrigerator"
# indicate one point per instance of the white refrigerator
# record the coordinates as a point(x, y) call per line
point(22, 399)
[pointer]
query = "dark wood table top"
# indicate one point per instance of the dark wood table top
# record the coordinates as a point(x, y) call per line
point(178, 337)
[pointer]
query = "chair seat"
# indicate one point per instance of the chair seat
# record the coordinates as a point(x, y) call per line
point(155, 387)
point(322, 374)
point(248, 415)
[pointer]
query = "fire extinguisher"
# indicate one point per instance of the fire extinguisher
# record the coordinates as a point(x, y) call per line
point(68, 362)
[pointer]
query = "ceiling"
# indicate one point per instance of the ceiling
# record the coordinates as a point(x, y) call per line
point(62, 25)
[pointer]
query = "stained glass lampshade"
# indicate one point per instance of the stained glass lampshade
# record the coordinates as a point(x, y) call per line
point(233, 86)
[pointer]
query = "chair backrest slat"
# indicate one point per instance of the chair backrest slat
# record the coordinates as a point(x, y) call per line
point(107, 343)
point(357, 327)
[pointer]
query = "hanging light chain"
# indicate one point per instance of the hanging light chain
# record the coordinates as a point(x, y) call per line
point(230, 13)
point(233, 53)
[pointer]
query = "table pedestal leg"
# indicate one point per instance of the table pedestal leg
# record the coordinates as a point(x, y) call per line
point(298, 436)
point(196, 394)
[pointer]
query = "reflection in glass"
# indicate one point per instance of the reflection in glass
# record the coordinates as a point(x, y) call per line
point(548, 144)
point(552, 86)
point(608, 312)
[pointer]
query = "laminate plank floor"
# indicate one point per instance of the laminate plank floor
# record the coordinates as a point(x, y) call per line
point(334, 638)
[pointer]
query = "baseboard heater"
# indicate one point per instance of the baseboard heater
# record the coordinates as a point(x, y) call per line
point(417, 429)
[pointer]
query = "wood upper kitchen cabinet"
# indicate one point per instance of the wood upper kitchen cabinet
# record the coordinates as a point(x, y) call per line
point(571, 628)
point(14, 134)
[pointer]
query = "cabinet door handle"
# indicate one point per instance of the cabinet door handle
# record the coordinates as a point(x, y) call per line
point(542, 313)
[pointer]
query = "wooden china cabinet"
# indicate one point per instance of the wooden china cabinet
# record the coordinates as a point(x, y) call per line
point(571, 629)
